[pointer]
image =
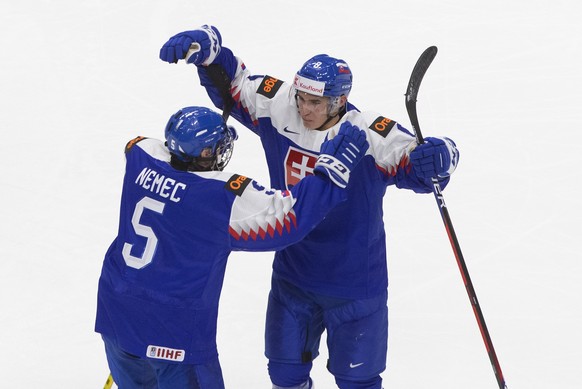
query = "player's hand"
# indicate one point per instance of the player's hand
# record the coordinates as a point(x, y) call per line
point(437, 157)
point(200, 46)
point(341, 154)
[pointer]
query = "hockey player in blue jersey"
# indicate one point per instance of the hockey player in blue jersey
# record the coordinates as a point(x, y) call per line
point(335, 279)
point(180, 218)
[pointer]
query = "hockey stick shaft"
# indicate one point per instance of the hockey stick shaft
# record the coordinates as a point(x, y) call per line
point(222, 82)
point(418, 72)
point(219, 78)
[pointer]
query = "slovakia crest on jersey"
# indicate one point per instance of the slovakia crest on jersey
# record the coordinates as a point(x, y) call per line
point(298, 164)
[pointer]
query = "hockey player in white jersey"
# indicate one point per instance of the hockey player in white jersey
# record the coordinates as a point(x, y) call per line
point(336, 278)
point(180, 218)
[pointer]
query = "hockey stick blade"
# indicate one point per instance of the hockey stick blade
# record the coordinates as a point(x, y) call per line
point(416, 77)
point(108, 382)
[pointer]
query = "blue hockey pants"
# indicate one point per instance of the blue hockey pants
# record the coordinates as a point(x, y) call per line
point(357, 336)
point(132, 372)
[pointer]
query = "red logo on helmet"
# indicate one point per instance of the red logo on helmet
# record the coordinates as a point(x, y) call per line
point(342, 69)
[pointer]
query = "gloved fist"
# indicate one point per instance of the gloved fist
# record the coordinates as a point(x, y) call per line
point(341, 154)
point(437, 157)
point(199, 47)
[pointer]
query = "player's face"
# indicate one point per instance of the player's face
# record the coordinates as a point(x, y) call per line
point(313, 109)
point(206, 153)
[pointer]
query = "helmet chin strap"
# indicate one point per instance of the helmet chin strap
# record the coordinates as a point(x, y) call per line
point(199, 164)
point(203, 164)
point(339, 113)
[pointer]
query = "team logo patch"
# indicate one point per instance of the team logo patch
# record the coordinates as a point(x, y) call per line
point(298, 165)
point(133, 142)
point(382, 126)
point(269, 86)
point(237, 184)
point(169, 354)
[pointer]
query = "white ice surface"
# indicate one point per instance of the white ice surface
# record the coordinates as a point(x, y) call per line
point(79, 78)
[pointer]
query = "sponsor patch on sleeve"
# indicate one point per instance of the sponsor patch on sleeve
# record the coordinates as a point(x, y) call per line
point(269, 86)
point(237, 184)
point(133, 142)
point(382, 126)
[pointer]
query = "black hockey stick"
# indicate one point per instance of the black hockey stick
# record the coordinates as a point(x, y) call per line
point(219, 78)
point(418, 72)
point(222, 82)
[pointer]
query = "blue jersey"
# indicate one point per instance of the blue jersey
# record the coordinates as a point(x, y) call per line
point(162, 276)
point(344, 256)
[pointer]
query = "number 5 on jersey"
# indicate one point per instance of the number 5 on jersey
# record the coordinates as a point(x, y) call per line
point(145, 231)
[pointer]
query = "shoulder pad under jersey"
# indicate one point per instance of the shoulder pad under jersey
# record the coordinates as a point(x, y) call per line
point(133, 142)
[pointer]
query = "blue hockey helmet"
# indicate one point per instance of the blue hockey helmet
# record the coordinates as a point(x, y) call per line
point(200, 136)
point(323, 75)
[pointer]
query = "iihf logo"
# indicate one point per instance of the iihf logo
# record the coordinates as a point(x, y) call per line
point(170, 354)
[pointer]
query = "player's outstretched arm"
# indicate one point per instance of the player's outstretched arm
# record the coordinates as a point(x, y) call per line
point(267, 220)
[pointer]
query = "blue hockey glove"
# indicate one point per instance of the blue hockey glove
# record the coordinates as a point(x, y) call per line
point(199, 47)
point(341, 154)
point(437, 157)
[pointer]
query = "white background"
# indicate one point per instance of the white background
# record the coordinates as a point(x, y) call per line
point(79, 78)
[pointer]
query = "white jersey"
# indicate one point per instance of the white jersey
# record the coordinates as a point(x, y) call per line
point(344, 256)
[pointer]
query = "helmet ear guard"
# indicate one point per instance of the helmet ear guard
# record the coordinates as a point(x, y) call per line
point(336, 105)
point(224, 149)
